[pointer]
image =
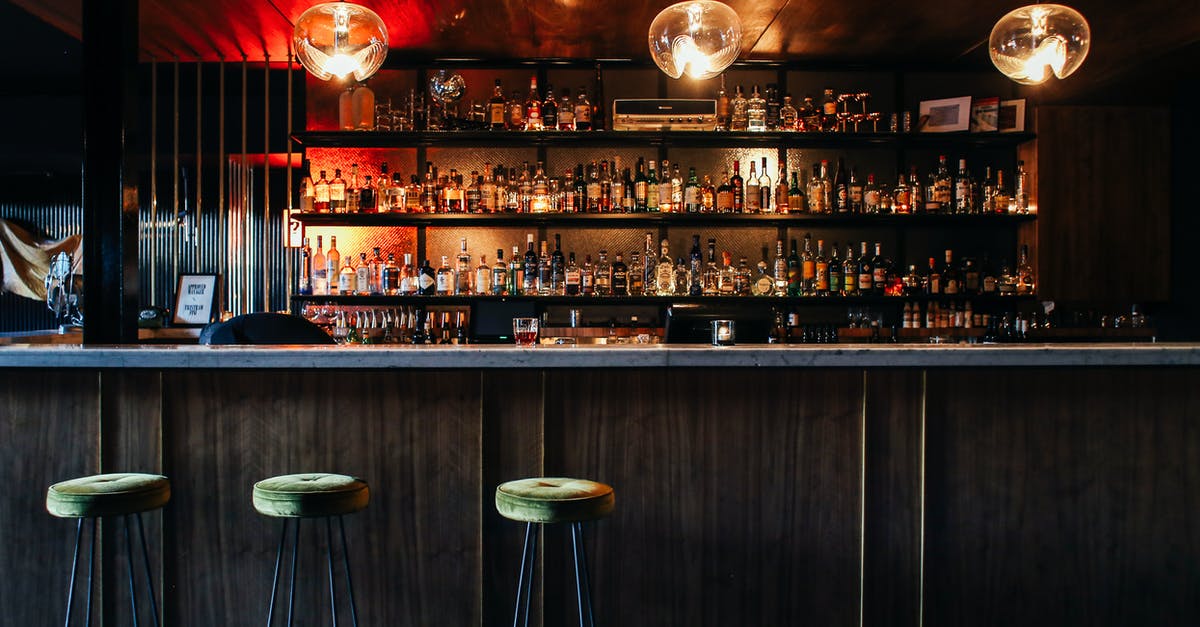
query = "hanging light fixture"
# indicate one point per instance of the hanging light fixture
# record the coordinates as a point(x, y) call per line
point(698, 37)
point(1034, 42)
point(340, 39)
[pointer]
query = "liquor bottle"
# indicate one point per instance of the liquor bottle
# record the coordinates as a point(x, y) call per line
point(808, 267)
point(497, 113)
point(383, 189)
point(306, 270)
point(849, 273)
point(691, 192)
point(795, 266)
point(530, 268)
point(827, 200)
point(943, 187)
point(738, 188)
point(332, 264)
point(902, 201)
point(353, 191)
point(605, 193)
point(571, 277)
point(544, 278)
point(598, 115)
point(933, 284)
point(1000, 198)
point(550, 110)
point(412, 195)
point(756, 111)
point(516, 272)
point(664, 271)
point(866, 272)
point(362, 276)
point(640, 187)
point(712, 274)
point(389, 276)
point(741, 278)
point(783, 202)
point(515, 116)
point(337, 193)
point(1025, 281)
point(627, 193)
point(753, 198)
point(652, 189)
point(321, 194)
point(725, 194)
point(592, 189)
point(452, 194)
point(649, 267)
point(665, 205)
point(445, 278)
point(426, 279)
point(738, 117)
point(870, 196)
point(604, 275)
point(483, 277)
point(1007, 282)
point(797, 202)
point(962, 189)
point(788, 114)
point(764, 283)
point(950, 283)
point(677, 205)
point(539, 201)
point(970, 277)
point(695, 279)
point(816, 191)
point(583, 111)
point(566, 111)
point(587, 277)
point(533, 108)
point(307, 191)
point(808, 116)
point(836, 280)
point(782, 271)
point(821, 267)
point(773, 106)
point(558, 268)
point(409, 276)
point(1021, 193)
point(879, 271)
point(623, 276)
point(474, 193)
point(856, 192)
point(499, 274)
point(765, 189)
point(708, 195)
point(723, 106)
point(841, 189)
point(683, 275)
point(727, 276)
point(462, 270)
point(829, 120)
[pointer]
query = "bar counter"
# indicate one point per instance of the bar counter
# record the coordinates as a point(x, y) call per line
point(840, 485)
point(603, 356)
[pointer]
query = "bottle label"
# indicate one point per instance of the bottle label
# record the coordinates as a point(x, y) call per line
point(583, 113)
point(363, 280)
point(443, 281)
point(810, 270)
point(337, 193)
point(425, 281)
point(345, 283)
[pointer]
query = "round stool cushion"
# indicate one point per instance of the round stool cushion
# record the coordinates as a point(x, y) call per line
point(310, 495)
point(108, 495)
point(554, 500)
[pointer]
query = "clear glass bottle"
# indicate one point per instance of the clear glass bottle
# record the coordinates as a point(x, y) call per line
point(764, 283)
point(816, 192)
point(533, 108)
point(695, 278)
point(665, 204)
point(566, 111)
point(307, 191)
point(756, 111)
point(780, 270)
point(682, 278)
point(788, 114)
point(727, 277)
point(332, 264)
point(321, 194)
point(353, 191)
point(362, 276)
point(445, 278)
point(1026, 284)
point(337, 193)
point(392, 279)
point(462, 270)
point(712, 273)
point(739, 111)
point(347, 277)
point(483, 277)
point(664, 271)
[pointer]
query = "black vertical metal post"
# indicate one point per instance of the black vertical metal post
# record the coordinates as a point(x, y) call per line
point(110, 204)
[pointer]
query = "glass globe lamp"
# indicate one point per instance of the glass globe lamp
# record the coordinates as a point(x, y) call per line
point(340, 39)
point(1035, 42)
point(699, 38)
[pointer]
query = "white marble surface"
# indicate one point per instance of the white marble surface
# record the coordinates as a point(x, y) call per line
point(631, 356)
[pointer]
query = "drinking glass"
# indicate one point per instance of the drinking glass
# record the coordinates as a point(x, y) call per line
point(525, 330)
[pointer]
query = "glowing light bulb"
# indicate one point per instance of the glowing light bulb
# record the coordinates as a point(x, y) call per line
point(699, 38)
point(340, 39)
point(1033, 43)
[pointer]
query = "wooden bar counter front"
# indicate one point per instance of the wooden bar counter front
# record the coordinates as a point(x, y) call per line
point(745, 496)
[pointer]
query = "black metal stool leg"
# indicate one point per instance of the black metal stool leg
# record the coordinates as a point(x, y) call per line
point(129, 561)
point(74, 568)
point(521, 578)
point(583, 587)
point(275, 577)
point(292, 584)
point(146, 563)
point(329, 562)
point(346, 563)
point(91, 573)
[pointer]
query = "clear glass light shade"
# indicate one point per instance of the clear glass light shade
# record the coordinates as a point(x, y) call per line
point(1035, 42)
point(340, 39)
point(699, 37)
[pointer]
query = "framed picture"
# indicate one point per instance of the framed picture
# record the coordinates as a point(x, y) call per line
point(945, 116)
point(195, 299)
point(1012, 116)
point(984, 115)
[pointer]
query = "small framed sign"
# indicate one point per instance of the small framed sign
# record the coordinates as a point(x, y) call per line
point(945, 116)
point(984, 113)
point(195, 299)
point(1012, 116)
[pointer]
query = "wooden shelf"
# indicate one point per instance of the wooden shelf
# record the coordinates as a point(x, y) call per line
point(659, 301)
point(611, 220)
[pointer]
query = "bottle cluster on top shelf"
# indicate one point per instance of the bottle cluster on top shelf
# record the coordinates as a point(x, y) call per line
point(653, 271)
point(605, 187)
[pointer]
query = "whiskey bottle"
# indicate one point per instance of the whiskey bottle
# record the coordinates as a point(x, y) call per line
point(741, 278)
point(782, 200)
point(901, 197)
point(500, 275)
point(756, 111)
point(738, 117)
point(566, 111)
point(788, 114)
point(516, 112)
point(307, 192)
point(483, 276)
point(677, 205)
point(797, 202)
point(572, 277)
point(764, 282)
point(604, 276)
point(636, 274)
point(533, 108)
point(816, 191)
point(795, 265)
point(652, 190)
point(879, 271)
point(353, 191)
point(829, 120)
point(691, 192)
point(962, 189)
point(497, 114)
point(870, 196)
point(773, 107)
point(665, 203)
point(723, 106)
point(550, 110)
point(445, 278)
point(708, 196)
point(337, 193)
point(583, 111)
point(725, 194)
point(943, 189)
point(321, 194)
point(738, 188)
point(933, 284)
point(866, 272)
point(587, 277)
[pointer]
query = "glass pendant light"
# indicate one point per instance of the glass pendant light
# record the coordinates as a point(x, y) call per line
point(340, 39)
point(1034, 42)
point(698, 37)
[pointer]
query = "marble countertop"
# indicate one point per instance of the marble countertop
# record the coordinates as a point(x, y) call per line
point(621, 356)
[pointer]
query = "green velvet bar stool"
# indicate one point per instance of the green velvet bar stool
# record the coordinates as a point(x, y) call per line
point(311, 495)
point(107, 496)
point(547, 500)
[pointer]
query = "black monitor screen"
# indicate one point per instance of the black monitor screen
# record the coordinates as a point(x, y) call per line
point(692, 324)
point(492, 320)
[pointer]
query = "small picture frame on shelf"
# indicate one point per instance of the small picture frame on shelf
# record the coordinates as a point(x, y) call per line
point(195, 299)
point(984, 115)
point(1011, 118)
point(945, 116)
